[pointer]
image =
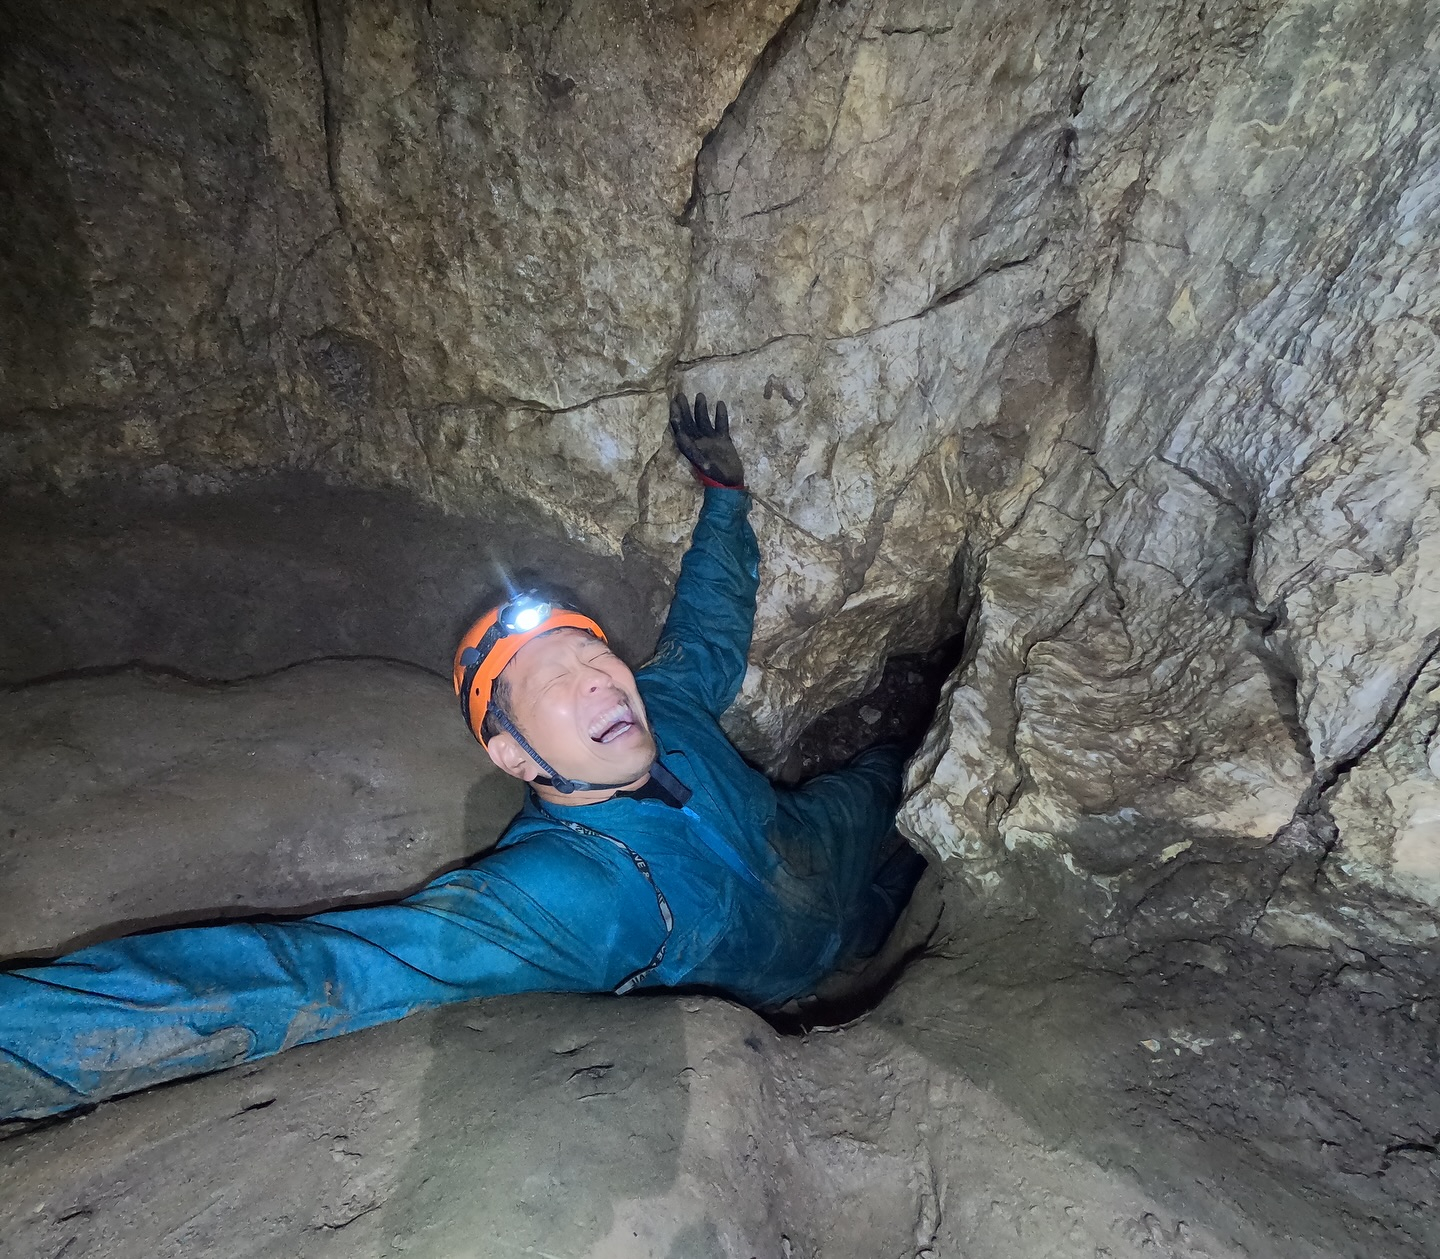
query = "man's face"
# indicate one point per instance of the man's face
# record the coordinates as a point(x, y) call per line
point(576, 703)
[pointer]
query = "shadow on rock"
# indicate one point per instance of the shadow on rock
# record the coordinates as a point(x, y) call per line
point(1284, 1096)
point(546, 1125)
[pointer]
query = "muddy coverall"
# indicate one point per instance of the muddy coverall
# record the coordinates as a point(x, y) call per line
point(748, 889)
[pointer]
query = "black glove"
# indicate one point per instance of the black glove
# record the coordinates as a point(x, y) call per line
point(707, 446)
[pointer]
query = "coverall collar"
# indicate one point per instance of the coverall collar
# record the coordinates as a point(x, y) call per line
point(671, 764)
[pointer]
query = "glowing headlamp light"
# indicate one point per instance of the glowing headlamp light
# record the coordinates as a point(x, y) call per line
point(523, 615)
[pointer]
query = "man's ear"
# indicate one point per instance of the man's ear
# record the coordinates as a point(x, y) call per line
point(510, 759)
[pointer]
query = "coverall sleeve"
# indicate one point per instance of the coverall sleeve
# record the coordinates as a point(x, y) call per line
point(543, 916)
point(703, 648)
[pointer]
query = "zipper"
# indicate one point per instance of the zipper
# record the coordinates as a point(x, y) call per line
point(643, 866)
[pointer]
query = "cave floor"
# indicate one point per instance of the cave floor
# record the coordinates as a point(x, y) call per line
point(989, 1106)
point(557, 1126)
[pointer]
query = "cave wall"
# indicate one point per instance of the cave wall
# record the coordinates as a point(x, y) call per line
point(433, 246)
point(1112, 330)
point(1226, 587)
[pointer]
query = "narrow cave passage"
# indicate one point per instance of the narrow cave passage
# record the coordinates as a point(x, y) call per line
point(312, 783)
point(1083, 376)
point(184, 755)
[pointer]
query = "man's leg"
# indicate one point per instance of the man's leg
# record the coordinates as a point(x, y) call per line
point(842, 823)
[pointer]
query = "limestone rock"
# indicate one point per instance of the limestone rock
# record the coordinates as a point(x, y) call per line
point(1111, 331)
point(576, 1126)
point(1201, 547)
point(1226, 584)
point(280, 570)
point(1388, 806)
point(137, 800)
point(678, 1126)
point(408, 245)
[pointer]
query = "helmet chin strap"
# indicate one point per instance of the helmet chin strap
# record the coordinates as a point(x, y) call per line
point(565, 786)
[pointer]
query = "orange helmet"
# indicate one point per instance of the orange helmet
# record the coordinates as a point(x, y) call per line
point(491, 643)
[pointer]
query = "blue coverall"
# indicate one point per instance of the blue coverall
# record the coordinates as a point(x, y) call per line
point(750, 890)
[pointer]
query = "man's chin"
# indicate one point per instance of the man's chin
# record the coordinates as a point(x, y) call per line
point(625, 763)
point(637, 759)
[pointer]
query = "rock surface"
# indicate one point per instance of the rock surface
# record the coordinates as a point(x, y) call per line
point(136, 800)
point(1224, 585)
point(1108, 333)
point(429, 246)
point(278, 571)
point(1003, 1122)
point(1112, 327)
point(667, 1129)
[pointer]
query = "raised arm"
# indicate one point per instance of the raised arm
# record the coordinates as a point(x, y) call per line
point(706, 639)
point(538, 917)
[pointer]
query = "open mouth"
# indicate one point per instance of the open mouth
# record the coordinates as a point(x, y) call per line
point(614, 723)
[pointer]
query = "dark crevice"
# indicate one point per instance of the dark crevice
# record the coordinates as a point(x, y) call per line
point(1432, 1148)
point(349, 1220)
point(927, 31)
point(541, 408)
point(687, 215)
point(1283, 678)
point(852, 1004)
point(953, 295)
point(897, 709)
point(1080, 86)
point(149, 668)
point(775, 48)
point(685, 364)
point(11, 1129)
point(323, 37)
point(1067, 154)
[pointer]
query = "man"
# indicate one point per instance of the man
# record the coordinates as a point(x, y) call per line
point(648, 854)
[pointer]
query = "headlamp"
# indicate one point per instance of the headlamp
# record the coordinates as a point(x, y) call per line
point(522, 615)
